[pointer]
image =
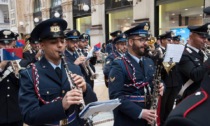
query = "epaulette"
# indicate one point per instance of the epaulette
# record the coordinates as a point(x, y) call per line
point(188, 50)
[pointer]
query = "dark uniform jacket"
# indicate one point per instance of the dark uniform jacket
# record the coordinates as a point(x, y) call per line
point(191, 67)
point(50, 87)
point(128, 112)
point(108, 62)
point(109, 48)
point(170, 79)
point(72, 57)
point(9, 110)
point(28, 58)
point(194, 110)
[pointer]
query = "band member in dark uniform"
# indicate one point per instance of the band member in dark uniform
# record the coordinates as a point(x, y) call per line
point(32, 53)
point(72, 39)
point(89, 63)
point(191, 66)
point(45, 96)
point(9, 111)
point(193, 110)
point(110, 47)
point(170, 77)
point(130, 80)
point(120, 43)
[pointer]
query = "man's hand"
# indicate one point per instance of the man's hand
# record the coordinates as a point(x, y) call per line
point(72, 97)
point(79, 60)
point(39, 54)
point(149, 115)
point(161, 89)
point(3, 64)
point(79, 81)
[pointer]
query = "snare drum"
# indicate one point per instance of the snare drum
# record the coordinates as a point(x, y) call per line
point(103, 119)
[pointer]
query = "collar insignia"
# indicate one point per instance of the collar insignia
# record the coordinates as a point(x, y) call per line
point(55, 28)
point(112, 79)
point(75, 33)
point(6, 33)
point(146, 27)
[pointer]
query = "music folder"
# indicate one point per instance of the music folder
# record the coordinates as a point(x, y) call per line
point(100, 106)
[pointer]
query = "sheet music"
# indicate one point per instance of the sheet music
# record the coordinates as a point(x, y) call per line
point(173, 52)
point(96, 107)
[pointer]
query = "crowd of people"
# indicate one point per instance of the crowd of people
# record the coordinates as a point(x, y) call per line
point(56, 77)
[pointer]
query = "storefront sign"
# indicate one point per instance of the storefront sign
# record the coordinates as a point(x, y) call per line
point(114, 4)
point(78, 7)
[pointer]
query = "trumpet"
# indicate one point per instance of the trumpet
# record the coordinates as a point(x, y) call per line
point(93, 74)
point(89, 122)
point(83, 65)
point(28, 47)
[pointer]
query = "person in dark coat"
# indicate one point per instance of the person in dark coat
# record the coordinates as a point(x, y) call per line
point(46, 97)
point(170, 78)
point(110, 47)
point(32, 54)
point(191, 66)
point(193, 110)
point(130, 80)
point(120, 43)
point(9, 111)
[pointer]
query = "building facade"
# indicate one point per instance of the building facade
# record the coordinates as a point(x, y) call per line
point(100, 17)
point(4, 14)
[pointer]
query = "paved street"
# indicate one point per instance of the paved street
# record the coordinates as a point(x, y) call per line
point(100, 89)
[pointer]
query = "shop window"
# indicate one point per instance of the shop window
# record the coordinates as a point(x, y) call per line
point(180, 14)
point(83, 24)
point(56, 3)
point(37, 6)
point(120, 20)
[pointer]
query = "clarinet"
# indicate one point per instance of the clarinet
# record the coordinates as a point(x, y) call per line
point(88, 122)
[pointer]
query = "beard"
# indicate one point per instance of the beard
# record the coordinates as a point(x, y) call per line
point(137, 50)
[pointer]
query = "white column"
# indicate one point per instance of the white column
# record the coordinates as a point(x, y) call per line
point(98, 20)
point(1, 17)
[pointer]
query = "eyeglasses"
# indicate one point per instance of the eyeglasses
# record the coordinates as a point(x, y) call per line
point(141, 39)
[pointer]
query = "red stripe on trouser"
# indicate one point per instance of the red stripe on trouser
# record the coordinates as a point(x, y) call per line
point(158, 111)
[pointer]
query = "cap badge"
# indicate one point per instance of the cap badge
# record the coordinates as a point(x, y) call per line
point(146, 27)
point(55, 28)
point(75, 34)
point(6, 33)
point(118, 33)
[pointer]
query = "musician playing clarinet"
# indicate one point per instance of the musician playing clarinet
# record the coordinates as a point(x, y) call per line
point(45, 95)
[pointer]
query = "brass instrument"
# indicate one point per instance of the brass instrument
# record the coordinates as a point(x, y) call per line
point(83, 64)
point(72, 86)
point(93, 74)
point(168, 65)
point(27, 47)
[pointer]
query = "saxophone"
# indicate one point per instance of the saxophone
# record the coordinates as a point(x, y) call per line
point(155, 93)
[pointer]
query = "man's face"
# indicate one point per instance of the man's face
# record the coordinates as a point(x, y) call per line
point(138, 45)
point(7, 46)
point(166, 41)
point(35, 46)
point(175, 42)
point(71, 45)
point(121, 47)
point(82, 44)
point(198, 41)
point(52, 48)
